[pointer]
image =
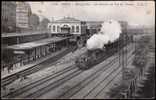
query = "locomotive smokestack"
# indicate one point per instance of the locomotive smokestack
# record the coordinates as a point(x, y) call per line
point(109, 32)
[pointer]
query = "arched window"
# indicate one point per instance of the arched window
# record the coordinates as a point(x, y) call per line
point(49, 27)
point(77, 28)
point(58, 28)
point(54, 28)
point(73, 28)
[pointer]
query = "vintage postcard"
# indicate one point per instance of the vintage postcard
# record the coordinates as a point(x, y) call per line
point(78, 49)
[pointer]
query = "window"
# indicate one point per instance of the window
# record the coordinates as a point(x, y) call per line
point(77, 28)
point(49, 27)
point(73, 28)
point(54, 28)
point(58, 28)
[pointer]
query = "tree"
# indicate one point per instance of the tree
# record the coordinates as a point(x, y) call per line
point(33, 21)
point(44, 24)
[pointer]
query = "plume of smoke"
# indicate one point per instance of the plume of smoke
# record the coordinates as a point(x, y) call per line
point(97, 41)
point(110, 31)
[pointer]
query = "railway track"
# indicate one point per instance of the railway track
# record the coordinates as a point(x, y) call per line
point(86, 81)
point(40, 87)
point(107, 71)
point(41, 80)
point(50, 86)
point(58, 93)
point(41, 83)
point(7, 80)
point(72, 88)
point(104, 84)
point(64, 70)
point(38, 82)
point(105, 92)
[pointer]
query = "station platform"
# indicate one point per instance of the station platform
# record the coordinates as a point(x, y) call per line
point(17, 69)
point(36, 47)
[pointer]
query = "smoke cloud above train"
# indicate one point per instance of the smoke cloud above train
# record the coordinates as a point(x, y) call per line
point(109, 32)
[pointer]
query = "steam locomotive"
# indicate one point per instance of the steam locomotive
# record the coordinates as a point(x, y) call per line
point(92, 57)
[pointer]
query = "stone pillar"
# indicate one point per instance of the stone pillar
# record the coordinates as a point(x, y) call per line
point(66, 42)
point(47, 49)
point(54, 46)
point(39, 52)
point(17, 40)
point(21, 63)
point(28, 56)
point(44, 50)
point(35, 53)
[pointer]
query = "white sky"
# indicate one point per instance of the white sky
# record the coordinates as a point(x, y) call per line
point(135, 12)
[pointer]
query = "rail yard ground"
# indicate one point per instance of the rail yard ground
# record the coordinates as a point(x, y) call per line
point(64, 80)
point(68, 82)
point(146, 85)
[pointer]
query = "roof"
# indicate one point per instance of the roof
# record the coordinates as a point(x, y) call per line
point(30, 45)
point(68, 19)
point(22, 34)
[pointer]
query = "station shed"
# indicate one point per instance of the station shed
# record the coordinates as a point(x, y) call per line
point(32, 51)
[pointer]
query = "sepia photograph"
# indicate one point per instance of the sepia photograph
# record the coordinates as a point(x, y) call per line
point(78, 49)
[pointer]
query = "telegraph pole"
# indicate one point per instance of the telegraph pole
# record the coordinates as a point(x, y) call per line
point(123, 62)
point(119, 51)
point(126, 50)
point(122, 57)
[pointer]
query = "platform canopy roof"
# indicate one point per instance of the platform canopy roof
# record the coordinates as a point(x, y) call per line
point(16, 34)
point(31, 45)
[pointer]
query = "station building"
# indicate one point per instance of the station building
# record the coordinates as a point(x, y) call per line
point(8, 16)
point(68, 26)
point(23, 12)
